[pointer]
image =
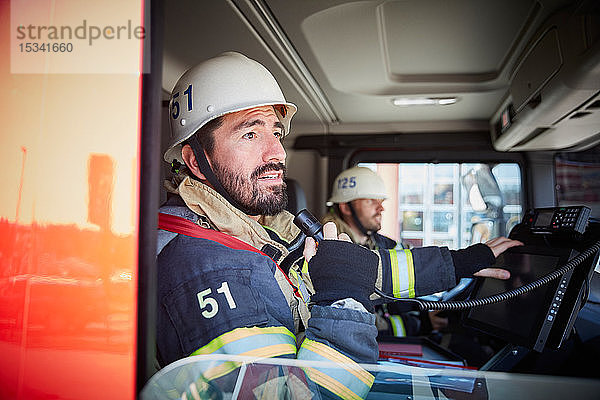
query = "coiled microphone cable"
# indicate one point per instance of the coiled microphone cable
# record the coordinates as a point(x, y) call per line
point(465, 304)
point(312, 227)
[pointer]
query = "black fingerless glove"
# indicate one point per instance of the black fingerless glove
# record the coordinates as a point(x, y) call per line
point(342, 269)
point(472, 259)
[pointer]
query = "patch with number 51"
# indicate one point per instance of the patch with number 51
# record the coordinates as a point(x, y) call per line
point(214, 303)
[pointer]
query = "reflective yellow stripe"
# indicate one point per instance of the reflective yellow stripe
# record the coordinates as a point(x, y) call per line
point(301, 286)
point(269, 351)
point(411, 273)
point(305, 267)
point(331, 384)
point(241, 333)
point(221, 370)
point(402, 273)
point(395, 273)
point(258, 342)
point(337, 357)
point(344, 378)
point(397, 325)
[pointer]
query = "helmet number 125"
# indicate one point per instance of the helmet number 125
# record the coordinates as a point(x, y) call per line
point(345, 183)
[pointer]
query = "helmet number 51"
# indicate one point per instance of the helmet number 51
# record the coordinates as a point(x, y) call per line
point(211, 304)
point(175, 103)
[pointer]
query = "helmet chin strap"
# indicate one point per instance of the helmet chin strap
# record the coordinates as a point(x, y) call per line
point(360, 226)
point(210, 175)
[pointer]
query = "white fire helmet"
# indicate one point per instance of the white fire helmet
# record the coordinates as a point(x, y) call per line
point(224, 84)
point(357, 183)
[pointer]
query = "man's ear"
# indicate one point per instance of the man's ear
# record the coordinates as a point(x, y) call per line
point(344, 209)
point(190, 161)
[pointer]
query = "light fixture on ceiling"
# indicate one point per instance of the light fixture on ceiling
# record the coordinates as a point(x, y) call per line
point(423, 101)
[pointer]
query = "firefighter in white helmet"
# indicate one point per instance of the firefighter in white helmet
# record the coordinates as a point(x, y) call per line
point(229, 279)
point(235, 275)
point(356, 203)
point(356, 206)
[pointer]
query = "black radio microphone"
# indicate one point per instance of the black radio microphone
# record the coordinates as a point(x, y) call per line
point(309, 225)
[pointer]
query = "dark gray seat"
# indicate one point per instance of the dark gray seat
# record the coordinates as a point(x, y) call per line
point(296, 196)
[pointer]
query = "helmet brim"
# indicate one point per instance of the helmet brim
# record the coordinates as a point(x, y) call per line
point(174, 151)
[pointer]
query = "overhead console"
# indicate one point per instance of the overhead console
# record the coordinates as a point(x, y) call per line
point(554, 94)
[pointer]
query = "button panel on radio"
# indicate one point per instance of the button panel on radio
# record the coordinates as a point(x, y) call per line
point(565, 218)
point(558, 219)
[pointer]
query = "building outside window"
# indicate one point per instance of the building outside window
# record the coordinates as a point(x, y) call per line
point(428, 204)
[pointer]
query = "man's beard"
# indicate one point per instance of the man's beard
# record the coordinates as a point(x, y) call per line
point(371, 224)
point(374, 226)
point(248, 193)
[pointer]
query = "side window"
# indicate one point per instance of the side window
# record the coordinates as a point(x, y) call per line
point(429, 205)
